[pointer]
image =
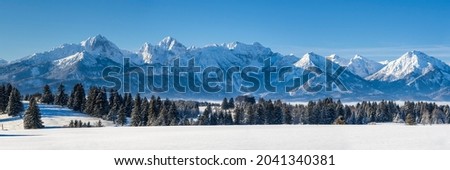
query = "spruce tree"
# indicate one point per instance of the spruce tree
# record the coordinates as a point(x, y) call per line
point(15, 106)
point(260, 114)
point(47, 95)
point(173, 114)
point(136, 112)
point(115, 104)
point(61, 97)
point(121, 117)
point(224, 105)
point(77, 98)
point(128, 104)
point(231, 104)
point(204, 118)
point(163, 116)
point(287, 115)
point(91, 100)
point(101, 107)
point(238, 116)
point(277, 114)
point(250, 115)
point(3, 98)
point(268, 114)
point(152, 112)
point(144, 112)
point(32, 117)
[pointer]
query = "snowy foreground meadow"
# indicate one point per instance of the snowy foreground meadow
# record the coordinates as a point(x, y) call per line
point(288, 137)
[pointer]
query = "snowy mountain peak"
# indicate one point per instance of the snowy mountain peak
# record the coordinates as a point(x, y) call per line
point(3, 62)
point(101, 46)
point(409, 66)
point(385, 62)
point(362, 66)
point(358, 57)
point(146, 52)
point(91, 41)
point(338, 60)
point(255, 49)
point(310, 59)
point(170, 44)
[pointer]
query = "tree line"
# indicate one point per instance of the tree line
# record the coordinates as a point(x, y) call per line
point(126, 109)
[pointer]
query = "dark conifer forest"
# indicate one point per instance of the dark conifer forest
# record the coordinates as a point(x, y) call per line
point(135, 110)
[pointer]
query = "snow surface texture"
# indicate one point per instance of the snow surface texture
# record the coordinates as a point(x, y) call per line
point(53, 117)
point(289, 137)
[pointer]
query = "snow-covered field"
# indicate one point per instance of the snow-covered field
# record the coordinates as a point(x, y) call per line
point(52, 116)
point(289, 137)
point(233, 137)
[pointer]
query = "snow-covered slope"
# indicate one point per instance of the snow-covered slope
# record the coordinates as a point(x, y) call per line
point(3, 62)
point(355, 86)
point(409, 66)
point(362, 66)
point(357, 65)
point(338, 60)
point(53, 117)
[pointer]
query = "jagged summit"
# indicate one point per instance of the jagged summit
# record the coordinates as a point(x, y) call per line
point(362, 66)
point(338, 60)
point(412, 63)
point(310, 59)
point(3, 62)
point(171, 43)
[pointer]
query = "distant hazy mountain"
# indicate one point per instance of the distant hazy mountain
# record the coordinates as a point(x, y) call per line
point(3, 62)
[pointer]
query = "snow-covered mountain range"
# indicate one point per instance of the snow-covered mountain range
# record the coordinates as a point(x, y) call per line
point(413, 76)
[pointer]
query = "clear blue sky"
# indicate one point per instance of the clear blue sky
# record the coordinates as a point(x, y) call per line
point(378, 29)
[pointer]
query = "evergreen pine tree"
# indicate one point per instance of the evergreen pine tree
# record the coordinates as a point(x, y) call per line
point(250, 115)
point(8, 88)
point(224, 105)
point(121, 117)
point(260, 115)
point(128, 104)
point(213, 119)
point(15, 106)
point(77, 98)
point(173, 114)
point(115, 104)
point(287, 115)
point(152, 112)
point(204, 118)
point(238, 116)
point(61, 97)
point(47, 95)
point(268, 114)
point(91, 100)
point(136, 112)
point(32, 117)
point(277, 114)
point(144, 112)
point(162, 119)
point(3, 98)
point(231, 104)
point(101, 105)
